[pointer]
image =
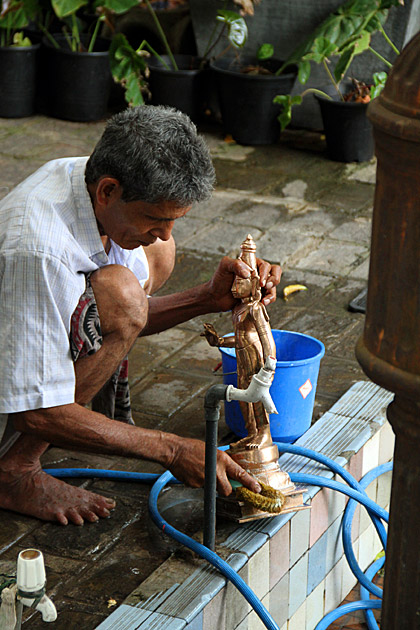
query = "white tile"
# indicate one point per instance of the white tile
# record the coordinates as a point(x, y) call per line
point(349, 580)
point(237, 607)
point(298, 584)
point(333, 586)
point(386, 443)
point(254, 622)
point(370, 454)
point(299, 535)
point(384, 489)
point(366, 548)
point(279, 601)
point(365, 519)
point(298, 620)
point(315, 606)
point(259, 571)
point(243, 625)
point(336, 502)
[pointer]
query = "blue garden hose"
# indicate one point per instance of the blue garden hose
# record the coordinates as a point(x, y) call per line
point(355, 490)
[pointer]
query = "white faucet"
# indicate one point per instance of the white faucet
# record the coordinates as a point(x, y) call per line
point(257, 390)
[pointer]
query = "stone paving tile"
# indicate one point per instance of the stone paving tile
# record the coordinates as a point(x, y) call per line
point(357, 231)
point(337, 375)
point(90, 541)
point(335, 258)
point(221, 238)
point(197, 356)
point(73, 615)
point(150, 352)
point(361, 271)
point(285, 246)
point(261, 215)
point(352, 197)
point(163, 393)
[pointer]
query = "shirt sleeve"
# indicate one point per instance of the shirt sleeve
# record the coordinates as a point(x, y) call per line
point(38, 296)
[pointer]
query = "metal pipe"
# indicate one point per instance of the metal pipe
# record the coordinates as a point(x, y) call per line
point(214, 395)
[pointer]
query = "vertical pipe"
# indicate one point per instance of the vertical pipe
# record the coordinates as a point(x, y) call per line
point(212, 411)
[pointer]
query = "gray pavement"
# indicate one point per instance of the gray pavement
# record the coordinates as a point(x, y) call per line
point(306, 212)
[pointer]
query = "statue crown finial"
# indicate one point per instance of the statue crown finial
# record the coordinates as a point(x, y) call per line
point(249, 244)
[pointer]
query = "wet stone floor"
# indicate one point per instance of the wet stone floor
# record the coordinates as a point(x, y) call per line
point(306, 212)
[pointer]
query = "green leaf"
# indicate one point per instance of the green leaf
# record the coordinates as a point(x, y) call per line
point(14, 17)
point(379, 80)
point(343, 63)
point(128, 67)
point(265, 52)
point(64, 8)
point(20, 41)
point(287, 102)
point(236, 25)
point(304, 71)
point(116, 6)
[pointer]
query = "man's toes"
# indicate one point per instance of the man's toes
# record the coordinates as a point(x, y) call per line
point(102, 511)
point(110, 503)
point(90, 516)
point(74, 516)
point(61, 518)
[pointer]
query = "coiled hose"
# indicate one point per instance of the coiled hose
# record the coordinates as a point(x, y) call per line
point(355, 490)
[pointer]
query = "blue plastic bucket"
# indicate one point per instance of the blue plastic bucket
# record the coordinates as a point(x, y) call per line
point(293, 388)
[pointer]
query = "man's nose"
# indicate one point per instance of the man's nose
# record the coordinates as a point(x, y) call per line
point(164, 231)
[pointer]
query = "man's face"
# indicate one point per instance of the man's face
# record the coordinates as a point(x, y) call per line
point(134, 223)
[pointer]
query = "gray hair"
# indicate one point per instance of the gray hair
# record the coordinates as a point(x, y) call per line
point(156, 155)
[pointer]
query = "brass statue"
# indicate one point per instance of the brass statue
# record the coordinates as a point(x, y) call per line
point(254, 343)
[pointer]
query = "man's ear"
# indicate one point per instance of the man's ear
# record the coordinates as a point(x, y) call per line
point(107, 190)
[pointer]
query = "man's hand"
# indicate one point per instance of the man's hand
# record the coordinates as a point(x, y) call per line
point(188, 466)
point(221, 283)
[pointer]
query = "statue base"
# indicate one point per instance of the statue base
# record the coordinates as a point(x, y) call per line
point(262, 463)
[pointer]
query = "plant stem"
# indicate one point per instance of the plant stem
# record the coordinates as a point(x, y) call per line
point(316, 91)
point(387, 39)
point(48, 35)
point(75, 32)
point(94, 35)
point(385, 61)
point(335, 84)
point(161, 34)
point(145, 44)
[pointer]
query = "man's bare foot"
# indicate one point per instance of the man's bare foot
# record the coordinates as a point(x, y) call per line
point(36, 493)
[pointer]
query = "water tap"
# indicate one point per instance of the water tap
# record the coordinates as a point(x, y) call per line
point(31, 582)
point(258, 389)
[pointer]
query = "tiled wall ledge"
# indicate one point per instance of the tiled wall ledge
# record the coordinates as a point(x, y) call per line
point(293, 562)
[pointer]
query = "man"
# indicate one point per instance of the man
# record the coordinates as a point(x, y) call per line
point(83, 243)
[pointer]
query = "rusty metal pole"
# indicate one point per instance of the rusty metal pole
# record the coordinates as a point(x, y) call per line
point(389, 350)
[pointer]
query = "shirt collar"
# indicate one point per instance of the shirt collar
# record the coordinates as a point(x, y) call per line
point(85, 229)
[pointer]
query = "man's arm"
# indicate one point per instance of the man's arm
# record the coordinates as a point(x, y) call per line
point(213, 296)
point(75, 427)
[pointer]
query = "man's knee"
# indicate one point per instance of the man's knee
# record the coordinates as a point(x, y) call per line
point(121, 301)
point(161, 259)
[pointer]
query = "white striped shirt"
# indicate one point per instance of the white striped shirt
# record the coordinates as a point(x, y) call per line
point(49, 240)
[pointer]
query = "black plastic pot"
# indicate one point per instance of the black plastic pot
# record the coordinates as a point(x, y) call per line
point(180, 88)
point(348, 131)
point(74, 85)
point(18, 80)
point(246, 100)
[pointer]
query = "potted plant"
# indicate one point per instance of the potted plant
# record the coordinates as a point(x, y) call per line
point(169, 79)
point(76, 75)
point(347, 32)
point(247, 87)
point(18, 60)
